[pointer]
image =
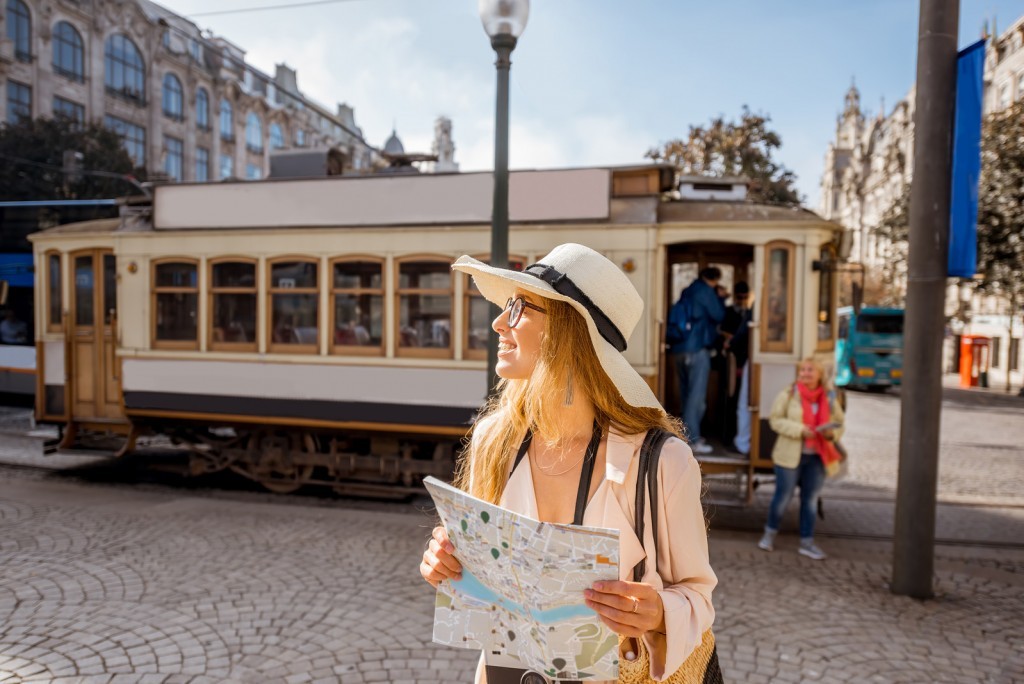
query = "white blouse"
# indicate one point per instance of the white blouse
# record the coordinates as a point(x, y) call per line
point(683, 577)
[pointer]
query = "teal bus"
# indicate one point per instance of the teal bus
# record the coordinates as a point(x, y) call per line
point(869, 351)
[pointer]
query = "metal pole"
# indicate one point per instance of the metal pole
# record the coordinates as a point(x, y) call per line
point(503, 46)
point(914, 540)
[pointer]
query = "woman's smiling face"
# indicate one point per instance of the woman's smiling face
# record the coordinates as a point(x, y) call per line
point(519, 347)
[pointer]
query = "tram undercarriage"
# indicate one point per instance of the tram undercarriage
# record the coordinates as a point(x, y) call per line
point(283, 459)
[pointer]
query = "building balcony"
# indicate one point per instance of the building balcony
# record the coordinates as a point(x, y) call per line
point(128, 95)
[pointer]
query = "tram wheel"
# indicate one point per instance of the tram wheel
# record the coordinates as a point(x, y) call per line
point(271, 460)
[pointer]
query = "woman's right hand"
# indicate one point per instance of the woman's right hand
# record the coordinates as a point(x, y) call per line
point(439, 563)
point(808, 432)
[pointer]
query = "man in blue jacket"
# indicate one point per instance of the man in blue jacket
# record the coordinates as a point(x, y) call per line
point(704, 310)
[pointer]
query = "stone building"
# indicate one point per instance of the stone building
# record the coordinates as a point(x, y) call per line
point(870, 162)
point(185, 101)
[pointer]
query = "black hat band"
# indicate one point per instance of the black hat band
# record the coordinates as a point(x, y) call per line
point(563, 285)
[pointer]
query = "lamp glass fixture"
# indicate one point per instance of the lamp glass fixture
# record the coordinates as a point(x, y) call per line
point(504, 17)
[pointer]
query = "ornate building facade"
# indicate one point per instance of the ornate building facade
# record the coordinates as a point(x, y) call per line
point(869, 164)
point(185, 102)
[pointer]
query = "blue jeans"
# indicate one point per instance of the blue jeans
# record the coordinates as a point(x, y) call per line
point(693, 369)
point(810, 475)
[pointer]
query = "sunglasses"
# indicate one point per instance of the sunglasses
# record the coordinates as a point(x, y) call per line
point(515, 306)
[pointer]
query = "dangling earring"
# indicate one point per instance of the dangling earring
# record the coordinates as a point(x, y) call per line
point(569, 391)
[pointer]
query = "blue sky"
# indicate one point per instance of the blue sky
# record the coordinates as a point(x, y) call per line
point(596, 81)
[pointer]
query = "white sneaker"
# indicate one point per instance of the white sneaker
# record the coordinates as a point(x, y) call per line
point(810, 549)
point(767, 542)
point(701, 447)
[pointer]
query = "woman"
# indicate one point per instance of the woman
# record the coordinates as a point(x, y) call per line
point(565, 382)
point(808, 421)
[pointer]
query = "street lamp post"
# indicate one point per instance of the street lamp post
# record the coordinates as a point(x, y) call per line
point(504, 21)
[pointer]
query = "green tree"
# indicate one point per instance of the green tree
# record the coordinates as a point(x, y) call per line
point(32, 161)
point(893, 236)
point(730, 148)
point(1001, 204)
point(1001, 208)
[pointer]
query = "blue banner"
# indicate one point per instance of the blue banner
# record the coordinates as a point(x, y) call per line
point(963, 208)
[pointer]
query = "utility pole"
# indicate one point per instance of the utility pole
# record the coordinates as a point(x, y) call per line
point(921, 405)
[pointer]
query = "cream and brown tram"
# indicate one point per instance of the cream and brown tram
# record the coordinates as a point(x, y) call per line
point(310, 331)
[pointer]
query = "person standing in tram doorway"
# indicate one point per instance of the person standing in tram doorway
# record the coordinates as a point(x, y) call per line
point(691, 333)
point(809, 422)
point(736, 331)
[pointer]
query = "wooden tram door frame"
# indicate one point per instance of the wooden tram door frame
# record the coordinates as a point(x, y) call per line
point(741, 257)
point(92, 333)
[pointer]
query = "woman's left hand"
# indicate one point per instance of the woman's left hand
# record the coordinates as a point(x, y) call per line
point(830, 435)
point(628, 608)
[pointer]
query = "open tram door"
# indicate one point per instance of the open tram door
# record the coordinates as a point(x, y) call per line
point(92, 366)
point(685, 261)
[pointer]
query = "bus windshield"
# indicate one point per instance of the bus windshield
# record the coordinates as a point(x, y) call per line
point(880, 324)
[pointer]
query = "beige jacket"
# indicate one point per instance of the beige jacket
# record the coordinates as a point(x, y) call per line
point(682, 539)
point(787, 420)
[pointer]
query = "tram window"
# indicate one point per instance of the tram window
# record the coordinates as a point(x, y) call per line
point(424, 308)
point(825, 303)
point(55, 296)
point(478, 314)
point(175, 305)
point(233, 305)
point(294, 306)
point(109, 288)
point(84, 288)
point(358, 307)
point(778, 300)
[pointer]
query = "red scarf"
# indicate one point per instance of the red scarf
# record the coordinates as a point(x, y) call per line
point(808, 398)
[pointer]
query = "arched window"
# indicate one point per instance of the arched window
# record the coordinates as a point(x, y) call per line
point(294, 305)
point(357, 314)
point(777, 301)
point(300, 137)
point(203, 109)
point(227, 121)
point(175, 304)
point(233, 309)
point(124, 70)
point(173, 98)
point(253, 133)
point(276, 136)
point(19, 29)
point(68, 52)
point(424, 305)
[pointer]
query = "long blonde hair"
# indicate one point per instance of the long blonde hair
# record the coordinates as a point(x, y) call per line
point(566, 354)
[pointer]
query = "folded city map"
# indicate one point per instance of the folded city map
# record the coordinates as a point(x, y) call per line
point(520, 599)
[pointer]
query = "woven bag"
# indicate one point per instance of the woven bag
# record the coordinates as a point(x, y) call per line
point(701, 666)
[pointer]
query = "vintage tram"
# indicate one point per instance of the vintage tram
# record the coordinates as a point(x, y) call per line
point(308, 331)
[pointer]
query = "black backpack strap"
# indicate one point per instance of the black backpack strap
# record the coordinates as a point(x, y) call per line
point(647, 486)
point(522, 452)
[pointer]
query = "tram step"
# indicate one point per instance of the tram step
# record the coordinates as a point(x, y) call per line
point(725, 502)
point(738, 461)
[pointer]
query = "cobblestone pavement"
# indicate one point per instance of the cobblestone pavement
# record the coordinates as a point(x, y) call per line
point(122, 582)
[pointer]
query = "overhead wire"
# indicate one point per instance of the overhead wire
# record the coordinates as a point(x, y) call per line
point(127, 177)
point(263, 8)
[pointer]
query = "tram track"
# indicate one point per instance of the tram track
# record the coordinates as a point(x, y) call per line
point(101, 467)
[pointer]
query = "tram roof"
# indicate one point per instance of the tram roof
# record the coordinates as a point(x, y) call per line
point(710, 211)
point(92, 227)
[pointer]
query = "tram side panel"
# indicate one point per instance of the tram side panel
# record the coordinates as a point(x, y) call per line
point(289, 392)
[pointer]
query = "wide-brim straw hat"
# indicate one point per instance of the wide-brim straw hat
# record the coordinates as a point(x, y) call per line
point(592, 285)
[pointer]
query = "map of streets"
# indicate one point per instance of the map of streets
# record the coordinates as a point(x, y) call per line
point(521, 593)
